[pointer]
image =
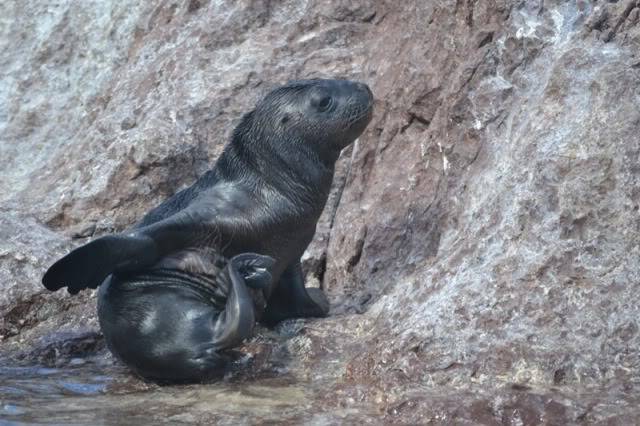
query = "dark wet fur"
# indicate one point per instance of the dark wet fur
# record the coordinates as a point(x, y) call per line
point(191, 257)
point(168, 322)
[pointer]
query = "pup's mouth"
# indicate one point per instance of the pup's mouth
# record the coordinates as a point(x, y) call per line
point(360, 117)
point(363, 111)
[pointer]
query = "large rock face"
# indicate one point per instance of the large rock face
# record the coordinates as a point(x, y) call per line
point(482, 232)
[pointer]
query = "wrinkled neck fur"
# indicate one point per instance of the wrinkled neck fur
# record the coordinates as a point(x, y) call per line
point(259, 159)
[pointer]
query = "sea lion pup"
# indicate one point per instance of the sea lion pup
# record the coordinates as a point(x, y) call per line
point(264, 195)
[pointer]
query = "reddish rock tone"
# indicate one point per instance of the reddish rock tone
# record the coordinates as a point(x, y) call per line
point(481, 245)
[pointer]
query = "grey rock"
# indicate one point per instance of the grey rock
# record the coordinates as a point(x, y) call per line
point(480, 247)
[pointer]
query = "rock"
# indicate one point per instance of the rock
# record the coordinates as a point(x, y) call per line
point(66, 349)
point(508, 234)
point(480, 246)
point(27, 311)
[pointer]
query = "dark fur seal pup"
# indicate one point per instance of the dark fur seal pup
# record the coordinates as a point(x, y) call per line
point(264, 195)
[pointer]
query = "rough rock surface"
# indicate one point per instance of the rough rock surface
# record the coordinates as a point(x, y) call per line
point(481, 245)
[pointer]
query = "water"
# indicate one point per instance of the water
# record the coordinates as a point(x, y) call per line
point(95, 393)
point(273, 380)
point(89, 394)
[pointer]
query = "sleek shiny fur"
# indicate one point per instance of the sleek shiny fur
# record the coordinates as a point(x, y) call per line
point(264, 195)
point(172, 321)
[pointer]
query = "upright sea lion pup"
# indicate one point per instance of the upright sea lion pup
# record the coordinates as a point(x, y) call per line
point(187, 266)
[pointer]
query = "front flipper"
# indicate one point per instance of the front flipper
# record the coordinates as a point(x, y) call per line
point(291, 299)
point(89, 265)
point(237, 320)
point(218, 214)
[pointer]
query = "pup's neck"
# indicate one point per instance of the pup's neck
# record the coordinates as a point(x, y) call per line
point(294, 172)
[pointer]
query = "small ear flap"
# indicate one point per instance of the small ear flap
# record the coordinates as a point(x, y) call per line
point(255, 269)
point(244, 126)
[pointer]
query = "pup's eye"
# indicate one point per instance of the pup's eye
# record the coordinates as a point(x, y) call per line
point(324, 103)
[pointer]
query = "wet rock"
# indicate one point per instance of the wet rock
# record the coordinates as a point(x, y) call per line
point(479, 246)
point(506, 237)
point(66, 349)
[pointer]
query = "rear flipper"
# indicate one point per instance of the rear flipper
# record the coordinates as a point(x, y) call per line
point(237, 320)
point(235, 323)
point(232, 326)
point(254, 268)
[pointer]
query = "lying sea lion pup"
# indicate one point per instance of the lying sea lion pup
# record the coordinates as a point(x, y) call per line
point(185, 283)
